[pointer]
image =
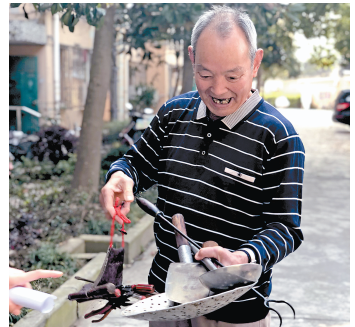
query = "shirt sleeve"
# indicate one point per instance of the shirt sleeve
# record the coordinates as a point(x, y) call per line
point(142, 160)
point(282, 188)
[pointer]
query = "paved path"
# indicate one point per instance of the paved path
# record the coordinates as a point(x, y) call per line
point(316, 278)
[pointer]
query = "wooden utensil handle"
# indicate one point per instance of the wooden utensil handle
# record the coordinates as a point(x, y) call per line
point(179, 222)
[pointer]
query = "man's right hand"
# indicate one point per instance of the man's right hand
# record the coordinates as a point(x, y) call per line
point(119, 186)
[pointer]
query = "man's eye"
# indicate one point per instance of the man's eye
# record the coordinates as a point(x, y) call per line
point(234, 77)
point(204, 76)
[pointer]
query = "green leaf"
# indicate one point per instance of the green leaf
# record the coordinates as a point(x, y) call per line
point(15, 5)
point(44, 6)
point(75, 21)
point(56, 7)
point(100, 12)
point(90, 17)
point(100, 23)
point(66, 18)
point(71, 28)
point(80, 8)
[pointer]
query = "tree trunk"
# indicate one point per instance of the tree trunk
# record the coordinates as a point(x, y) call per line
point(187, 72)
point(87, 169)
point(113, 82)
point(177, 55)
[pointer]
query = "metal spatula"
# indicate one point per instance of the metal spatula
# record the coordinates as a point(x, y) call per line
point(227, 277)
point(182, 283)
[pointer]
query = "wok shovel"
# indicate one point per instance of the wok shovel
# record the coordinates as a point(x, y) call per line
point(227, 277)
point(182, 283)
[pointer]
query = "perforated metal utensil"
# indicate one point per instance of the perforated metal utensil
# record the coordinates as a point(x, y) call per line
point(159, 308)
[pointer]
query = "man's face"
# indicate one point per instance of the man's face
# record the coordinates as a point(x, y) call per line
point(223, 70)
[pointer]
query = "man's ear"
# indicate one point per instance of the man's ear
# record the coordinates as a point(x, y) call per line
point(191, 54)
point(257, 61)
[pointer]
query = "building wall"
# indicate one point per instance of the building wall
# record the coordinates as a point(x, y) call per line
point(44, 54)
point(79, 44)
point(76, 49)
point(157, 72)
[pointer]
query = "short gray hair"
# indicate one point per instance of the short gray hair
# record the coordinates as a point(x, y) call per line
point(224, 19)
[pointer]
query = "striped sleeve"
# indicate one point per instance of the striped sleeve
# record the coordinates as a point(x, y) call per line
point(282, 189)
point(142, 160)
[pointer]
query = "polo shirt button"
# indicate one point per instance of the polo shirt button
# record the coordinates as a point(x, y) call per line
point(209, 135)
point(203, 153)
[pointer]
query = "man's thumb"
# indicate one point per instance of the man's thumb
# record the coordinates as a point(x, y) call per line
point(128, 195)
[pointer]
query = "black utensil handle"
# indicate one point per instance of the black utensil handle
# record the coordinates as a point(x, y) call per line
point(147, 206)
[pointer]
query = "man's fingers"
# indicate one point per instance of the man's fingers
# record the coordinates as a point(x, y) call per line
point(128, 190)
point(210, 252)
point(107, 198)
point(126, 207)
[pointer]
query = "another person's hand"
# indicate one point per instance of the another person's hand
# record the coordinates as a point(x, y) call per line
point(20, 278)
point(119, 186)
point(224, 256)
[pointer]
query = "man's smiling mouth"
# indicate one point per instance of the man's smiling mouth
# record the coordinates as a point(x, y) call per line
point(221, 101)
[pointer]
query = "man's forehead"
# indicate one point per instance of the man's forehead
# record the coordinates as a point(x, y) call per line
point(235, 69)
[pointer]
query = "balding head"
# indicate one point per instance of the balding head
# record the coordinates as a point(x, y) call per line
point(223, 20)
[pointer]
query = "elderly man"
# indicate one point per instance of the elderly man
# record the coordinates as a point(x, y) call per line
point(225, 159)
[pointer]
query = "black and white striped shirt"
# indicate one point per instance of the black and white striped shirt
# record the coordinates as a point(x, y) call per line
point(237, 181)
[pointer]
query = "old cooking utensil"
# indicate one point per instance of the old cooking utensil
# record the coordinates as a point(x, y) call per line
point(151, 209)
point(226, 277)
point(209, 279)
point(182, 282)
point(108, 285)
point(159, 308)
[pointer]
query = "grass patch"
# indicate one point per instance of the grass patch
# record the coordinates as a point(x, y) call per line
point(294, 98)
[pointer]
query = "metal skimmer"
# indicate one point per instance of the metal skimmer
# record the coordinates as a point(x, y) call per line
point(159, 308)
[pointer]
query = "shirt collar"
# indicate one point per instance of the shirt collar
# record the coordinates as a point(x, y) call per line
point(234, 118)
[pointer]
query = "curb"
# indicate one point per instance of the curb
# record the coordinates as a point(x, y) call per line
point(65, 313)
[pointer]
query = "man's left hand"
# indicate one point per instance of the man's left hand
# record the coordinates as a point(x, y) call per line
point(224, 256)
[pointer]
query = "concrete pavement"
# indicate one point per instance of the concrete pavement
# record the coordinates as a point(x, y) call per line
point(316, 278)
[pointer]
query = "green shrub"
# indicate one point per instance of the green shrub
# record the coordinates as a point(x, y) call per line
point(54, 144)
point(46, 256)
point(144, 97)
point(44, 211)
point(34, 170)
point(113, 155)
point(115, 126)
point(294, 98)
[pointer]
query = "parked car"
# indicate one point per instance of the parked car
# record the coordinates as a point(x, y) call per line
point(342, 108)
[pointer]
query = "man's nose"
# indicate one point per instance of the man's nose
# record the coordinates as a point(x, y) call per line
point(219, 87)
